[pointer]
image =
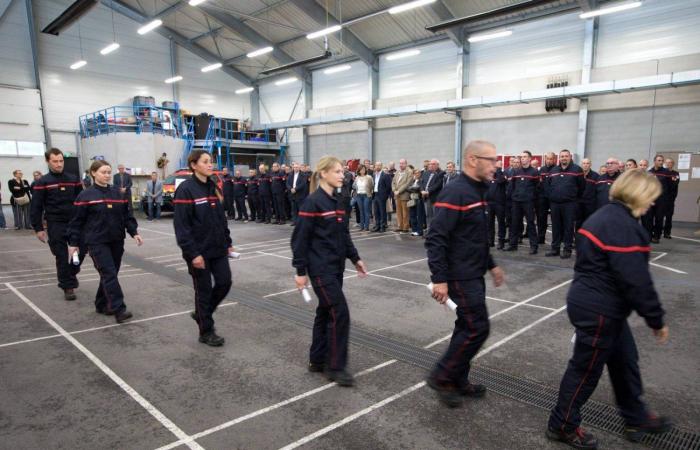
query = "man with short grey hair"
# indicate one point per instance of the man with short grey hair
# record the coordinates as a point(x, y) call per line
point(431, 185)
point(122, 180)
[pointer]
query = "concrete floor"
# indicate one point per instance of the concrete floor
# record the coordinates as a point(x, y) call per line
point(150, 384)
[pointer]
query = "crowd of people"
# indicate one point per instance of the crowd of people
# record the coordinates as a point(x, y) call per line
point(522, 199)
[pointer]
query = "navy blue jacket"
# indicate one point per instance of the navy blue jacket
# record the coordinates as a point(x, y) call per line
point(382, 190)
point(602, 190)
point(543, 188)
point(239, 186)
point(611, 275)
point(302, 188)
point(457, 241)
point(665, 178)
point(589, 192)
point(565, 185)
point(265, 184)
point(278, 182)
point(54, 195)
point(321, 242)
point(675, 181)
point(102, 215)
point(497, 188)
point(227, 186)
point(200, 222)
point(524, 184)
point(252, 185)
point(125, 180)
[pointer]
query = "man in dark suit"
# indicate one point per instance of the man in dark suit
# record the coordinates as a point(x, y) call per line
point(431, 185)
point(298, 188)
point(450, 174)
point(122, 180)
point(382, 190)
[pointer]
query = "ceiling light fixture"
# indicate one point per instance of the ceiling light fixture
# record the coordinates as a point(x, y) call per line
point(196, 2)
point(212, 67)
point(110, 48)
point(610, 9)
point(488, 36)
point(404, 54)
point(410, 5)
point(150, 26)
point(284, 81)
point(259, 52)
point(337, 69)
point(78, 64)
point(245, 90)
point(174, 79)
point(325, 31)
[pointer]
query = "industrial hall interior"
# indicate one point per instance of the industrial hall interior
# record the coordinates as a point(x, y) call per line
point(349, 224)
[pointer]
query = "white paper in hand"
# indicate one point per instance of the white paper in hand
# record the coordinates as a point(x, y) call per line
point(307, 296)
point(449, 303)
point(234, 255)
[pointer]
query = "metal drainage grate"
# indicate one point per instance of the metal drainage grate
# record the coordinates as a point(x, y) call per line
point(596, 414)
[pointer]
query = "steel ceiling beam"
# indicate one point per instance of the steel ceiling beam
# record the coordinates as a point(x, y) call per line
point(444, 14)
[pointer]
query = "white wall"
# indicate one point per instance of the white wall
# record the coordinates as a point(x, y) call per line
point(415, 143)
point(277, 103)
point(15, 48)
point(341, 88)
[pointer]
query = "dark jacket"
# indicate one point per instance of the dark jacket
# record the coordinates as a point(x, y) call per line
point(497, 188)
point(447, 178)
point(565, 185)
point(589, 192)
point(18, 190)
point(252, 185)
point(435, 185)
point(675, 181)
point(278, 182)
point(54, 195)
point(265, 184)
point(122, 181)
point(302, 187)
point(102, 214)
point(457, 241)
point(664, 176)
point(382, 190)
point(602, 189)
point(508, 174)
point(321, 242)
point(543, 187)
point(524, 184)
point(239, 187)
point(611, 275)
point(200, 222)
point(227, 186)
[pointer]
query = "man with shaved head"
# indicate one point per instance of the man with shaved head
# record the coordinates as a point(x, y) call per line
point(458, 258)
point(430, 186)
point(612, 171)
point(524, 186)
point(565, 186)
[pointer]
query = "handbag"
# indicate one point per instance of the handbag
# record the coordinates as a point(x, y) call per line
point(23, 200)
point(411, 203)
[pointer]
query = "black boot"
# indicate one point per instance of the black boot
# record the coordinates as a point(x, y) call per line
point(654, 425)
point(122, 316)
point(579, 438)
point(316, 367)
point(566, 254)
point(552, 252)
point(212, 339)
point(341, 377)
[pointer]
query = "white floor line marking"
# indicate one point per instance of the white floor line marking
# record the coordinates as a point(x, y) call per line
point(685, 238)
point(26, 251)
point(29, 270)
point(262, 411)
point(656, 258)
point(408, 390)
point(158, 232)
point(89, 273)
point(145, 404)
point(88, 330)
point(82, 280)
point(30, 274)
point(667, 268)
point(85, 271)
point(163, 256)
point(273, 254)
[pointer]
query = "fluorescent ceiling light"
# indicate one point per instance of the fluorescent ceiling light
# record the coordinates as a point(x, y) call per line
point(285, 81)
point(404, 54)
point(196, 2)
point(486, 37)
point(212, 67)
point(110, 48)
point(78, 64)
point(323, 32)
point(150, 26)
point(410, 5)
point(259, 52)
point(610, 9)
point(337, 69)
point(174, 79)
point(245, 90)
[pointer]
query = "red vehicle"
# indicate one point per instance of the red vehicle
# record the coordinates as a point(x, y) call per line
point(170, 183)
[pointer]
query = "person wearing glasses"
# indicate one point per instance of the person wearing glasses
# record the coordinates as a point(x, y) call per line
point(602, 190)
point(458, 257)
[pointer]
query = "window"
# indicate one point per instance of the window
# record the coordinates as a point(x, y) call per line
point(21, 148)
point(8, 148)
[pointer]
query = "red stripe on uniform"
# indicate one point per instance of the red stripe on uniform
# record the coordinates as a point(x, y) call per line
point(573, 174)
point(321, 214)
point(613, 248)
point(97, 202)
point(55, 185)
point(458, 207)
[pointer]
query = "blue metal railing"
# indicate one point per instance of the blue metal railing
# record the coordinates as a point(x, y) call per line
point(132, 119)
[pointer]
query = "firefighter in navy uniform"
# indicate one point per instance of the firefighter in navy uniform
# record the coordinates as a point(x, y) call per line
point(496, 197)
point(203, 236)
point(102, 215)
point(320, 243)
point(524, 183)
point(458, 257)
point(565, 186)
point(278, 193)
point(513, 166)
point(602, 189)
point(587, 203)
point(543, 205)
point(265, 193)
point(611, 279)
point(227, 181)
point(53, 198)
point(253, 196)
point(675, 181)
point(657, 212)
point(239, 193)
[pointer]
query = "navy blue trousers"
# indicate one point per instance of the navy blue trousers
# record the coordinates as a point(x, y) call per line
point(331, 330)
point(600, 341)
point(563, 221)
point(471, 330)
point(497, 212)
point(108, 259)
point(65, 270)
point(206, 296)
point(520, 210)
